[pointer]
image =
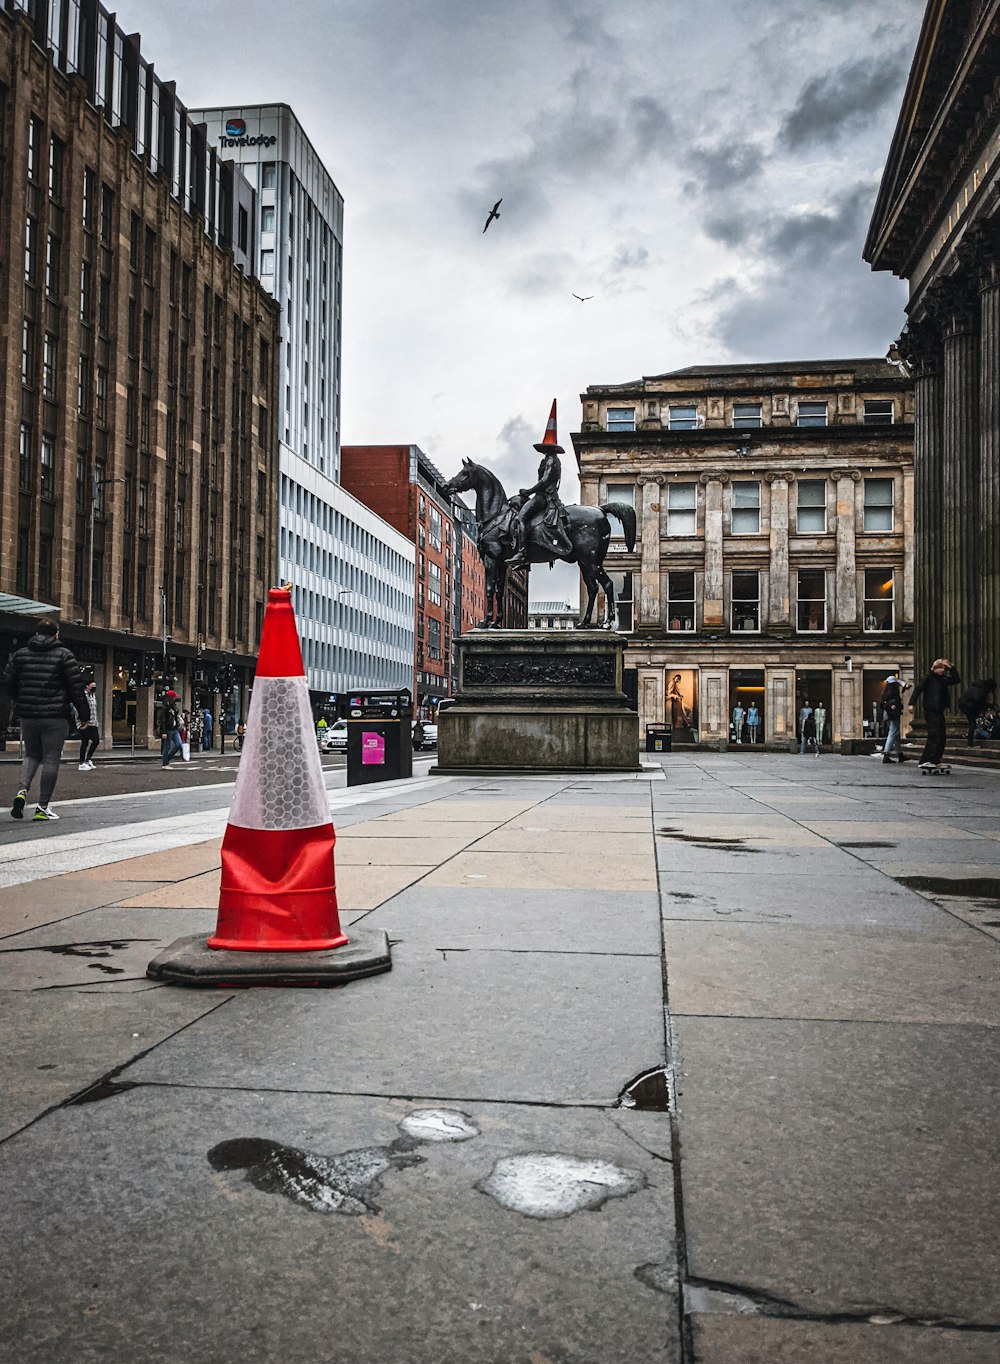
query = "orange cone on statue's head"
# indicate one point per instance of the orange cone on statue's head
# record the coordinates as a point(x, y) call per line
point(549, 442)
point(278, 890)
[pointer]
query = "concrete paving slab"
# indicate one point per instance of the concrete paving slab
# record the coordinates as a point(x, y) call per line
point(366, 887)
point(34, 903)
point(464, 808)
point(763, 1340)
point(761, 858)
point(894, 829)
point(871, 899)
point(580, 819)
point(142, 1250)
point(792, 971)
point(844, 1167)
point(449, 829)
point(196, 892)
point(470, 1025)
point(590, 867)
point(454, 918)
point(57, 1042)
point(563, 842)
point(172, 864)
point(397, 852)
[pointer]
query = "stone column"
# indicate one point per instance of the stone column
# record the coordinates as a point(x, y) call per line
point(649, 614)
point(713, 614)
point(955, 305)
point(780, 707)
point(713, 698)
point(846, 718)
point(980, 251)
point(845, 606)
point(779, 609)
point(920, 345)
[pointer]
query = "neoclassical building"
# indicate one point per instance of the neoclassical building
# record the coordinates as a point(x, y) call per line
point(775, 555)
point(936, 224)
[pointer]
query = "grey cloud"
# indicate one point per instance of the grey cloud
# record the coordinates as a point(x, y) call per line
point(629, 258)
point(724, 166)
point(544, 273)
point(842, 100)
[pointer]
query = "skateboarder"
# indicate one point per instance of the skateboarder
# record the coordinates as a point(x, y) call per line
point(935, 690)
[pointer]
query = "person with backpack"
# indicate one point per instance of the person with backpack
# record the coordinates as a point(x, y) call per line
point(43, 680)
point(170, 728)
point(892, 711)
point(973, 702)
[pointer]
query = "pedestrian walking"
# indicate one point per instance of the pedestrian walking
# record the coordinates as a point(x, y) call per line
point(892, 711)
point(935, 690)
point(43, 680)
point(973, 701)
point(91, 736)
point(805, 717)
point(206, 730)
point(170, 728)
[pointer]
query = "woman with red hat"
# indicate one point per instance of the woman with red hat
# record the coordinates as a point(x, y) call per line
point(170, 728)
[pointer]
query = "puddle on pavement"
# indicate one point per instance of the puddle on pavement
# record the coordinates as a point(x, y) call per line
point(346, 1183)
point(542, 1185)
point(438, 1124)
point(647, 1092)
point(724, 842)
point(867, 845)
point(104, 1089)
point(99, 948)
point(972, 887)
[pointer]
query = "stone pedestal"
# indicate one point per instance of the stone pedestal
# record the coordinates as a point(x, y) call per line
point(538, 701)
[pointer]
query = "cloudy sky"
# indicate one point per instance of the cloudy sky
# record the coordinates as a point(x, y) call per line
point(706, 169)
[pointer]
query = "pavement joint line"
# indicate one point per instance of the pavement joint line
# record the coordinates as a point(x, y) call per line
point(856, 1022)
point(655, 1155)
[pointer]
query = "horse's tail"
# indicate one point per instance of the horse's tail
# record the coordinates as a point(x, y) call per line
point(626, 515)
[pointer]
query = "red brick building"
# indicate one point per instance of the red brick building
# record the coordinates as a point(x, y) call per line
point(401, 485)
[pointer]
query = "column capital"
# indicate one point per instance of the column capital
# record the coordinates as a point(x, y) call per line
point(852, 474)
point(784, 475)
point(953, 302)
point(919, 347)
point(658, 479)
point(713, 476)
point(978, 253)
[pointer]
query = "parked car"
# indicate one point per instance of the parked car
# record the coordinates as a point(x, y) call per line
point(334, 739)
point(430, 739)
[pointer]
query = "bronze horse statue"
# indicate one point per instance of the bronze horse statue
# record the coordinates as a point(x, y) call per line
point(588, 529)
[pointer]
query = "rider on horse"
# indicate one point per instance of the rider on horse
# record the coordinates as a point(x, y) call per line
point(540, 515)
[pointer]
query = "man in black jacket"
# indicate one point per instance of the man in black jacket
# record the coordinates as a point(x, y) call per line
point(42, 679)
point(935, 691)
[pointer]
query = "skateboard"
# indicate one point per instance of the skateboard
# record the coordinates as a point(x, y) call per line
point(942, 770)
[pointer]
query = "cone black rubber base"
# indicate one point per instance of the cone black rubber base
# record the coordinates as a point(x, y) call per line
point(190, 961)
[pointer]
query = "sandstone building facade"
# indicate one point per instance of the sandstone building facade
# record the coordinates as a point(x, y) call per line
point(775, 555)
point(936, 224)
point(139, 458)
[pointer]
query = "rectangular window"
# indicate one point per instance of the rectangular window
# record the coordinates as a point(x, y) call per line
point(86, 290)
point(56, 162)
point(879, 412)
point(52, 257)
point(267, 220)
point(878, 504)
point(811, 597)
point(50, 352)
point(26, 477)
point(147, 339)
point(746, 600)
point(148, 255)
point(143, 507)
point(35, 150)
point(45, 565)
point(880, 591)
point(811, 414)
point(28, 352)
point(267, 262)
point(243, 230)
point(30, 250)
point(83, 387)
point(811, 512)
point(434, 528)
point(621, 418)
point(682, 418)
point(48, 463)
point(89, 199)
point(746, 508)
point(107, 214)
point(746, 414)
point(680, 601)
point(268, 175)
point(23, 553)
point(682, 509)
point(104, 305)
point(623, 601)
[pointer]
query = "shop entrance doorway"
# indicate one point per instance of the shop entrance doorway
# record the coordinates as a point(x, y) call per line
point(815, 685)
point(746, 705)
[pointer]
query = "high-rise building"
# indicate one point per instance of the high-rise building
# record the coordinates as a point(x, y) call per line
point(299, 239)
point(139, 455)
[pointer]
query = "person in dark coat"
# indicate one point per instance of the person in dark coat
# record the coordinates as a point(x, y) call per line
point(973, 702)
point(935, 689)
point(43, 680)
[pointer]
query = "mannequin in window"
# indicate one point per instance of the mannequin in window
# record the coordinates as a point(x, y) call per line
point(679, 716)
point(739, 715)
point(753, 721)
point(819, 718)
point(806, 726)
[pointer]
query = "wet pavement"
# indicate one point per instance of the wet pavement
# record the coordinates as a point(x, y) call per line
point(697, 1066)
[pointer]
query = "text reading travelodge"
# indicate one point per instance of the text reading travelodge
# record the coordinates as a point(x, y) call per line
point(236, 136)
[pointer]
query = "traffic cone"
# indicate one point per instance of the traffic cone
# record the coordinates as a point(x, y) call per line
point(550, 441)
point(278, 920)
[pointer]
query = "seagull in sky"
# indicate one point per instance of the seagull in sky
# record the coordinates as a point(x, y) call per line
point(584, 299)
point(494, 213)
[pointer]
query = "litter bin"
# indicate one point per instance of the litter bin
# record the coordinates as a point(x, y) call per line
point(659, 738)
point(378, 737)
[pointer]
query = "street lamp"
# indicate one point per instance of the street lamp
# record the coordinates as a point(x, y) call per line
point(95, 486)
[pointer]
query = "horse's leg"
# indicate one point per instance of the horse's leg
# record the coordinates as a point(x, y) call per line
point(589, 577)
point(501, 592)
point(611, 610)
point(487, 619)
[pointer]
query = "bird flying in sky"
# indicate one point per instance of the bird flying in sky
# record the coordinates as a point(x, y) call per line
point(494, 213)
point(584, 298)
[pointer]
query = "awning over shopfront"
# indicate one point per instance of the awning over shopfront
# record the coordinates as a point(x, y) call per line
point(24, 606)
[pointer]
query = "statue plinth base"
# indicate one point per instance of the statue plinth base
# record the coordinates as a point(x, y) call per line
point(539, 701)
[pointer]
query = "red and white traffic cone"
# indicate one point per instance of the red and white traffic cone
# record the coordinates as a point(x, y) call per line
point(278, 920)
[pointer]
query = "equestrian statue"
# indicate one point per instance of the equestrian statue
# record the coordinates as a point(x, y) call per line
point(535, 527)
